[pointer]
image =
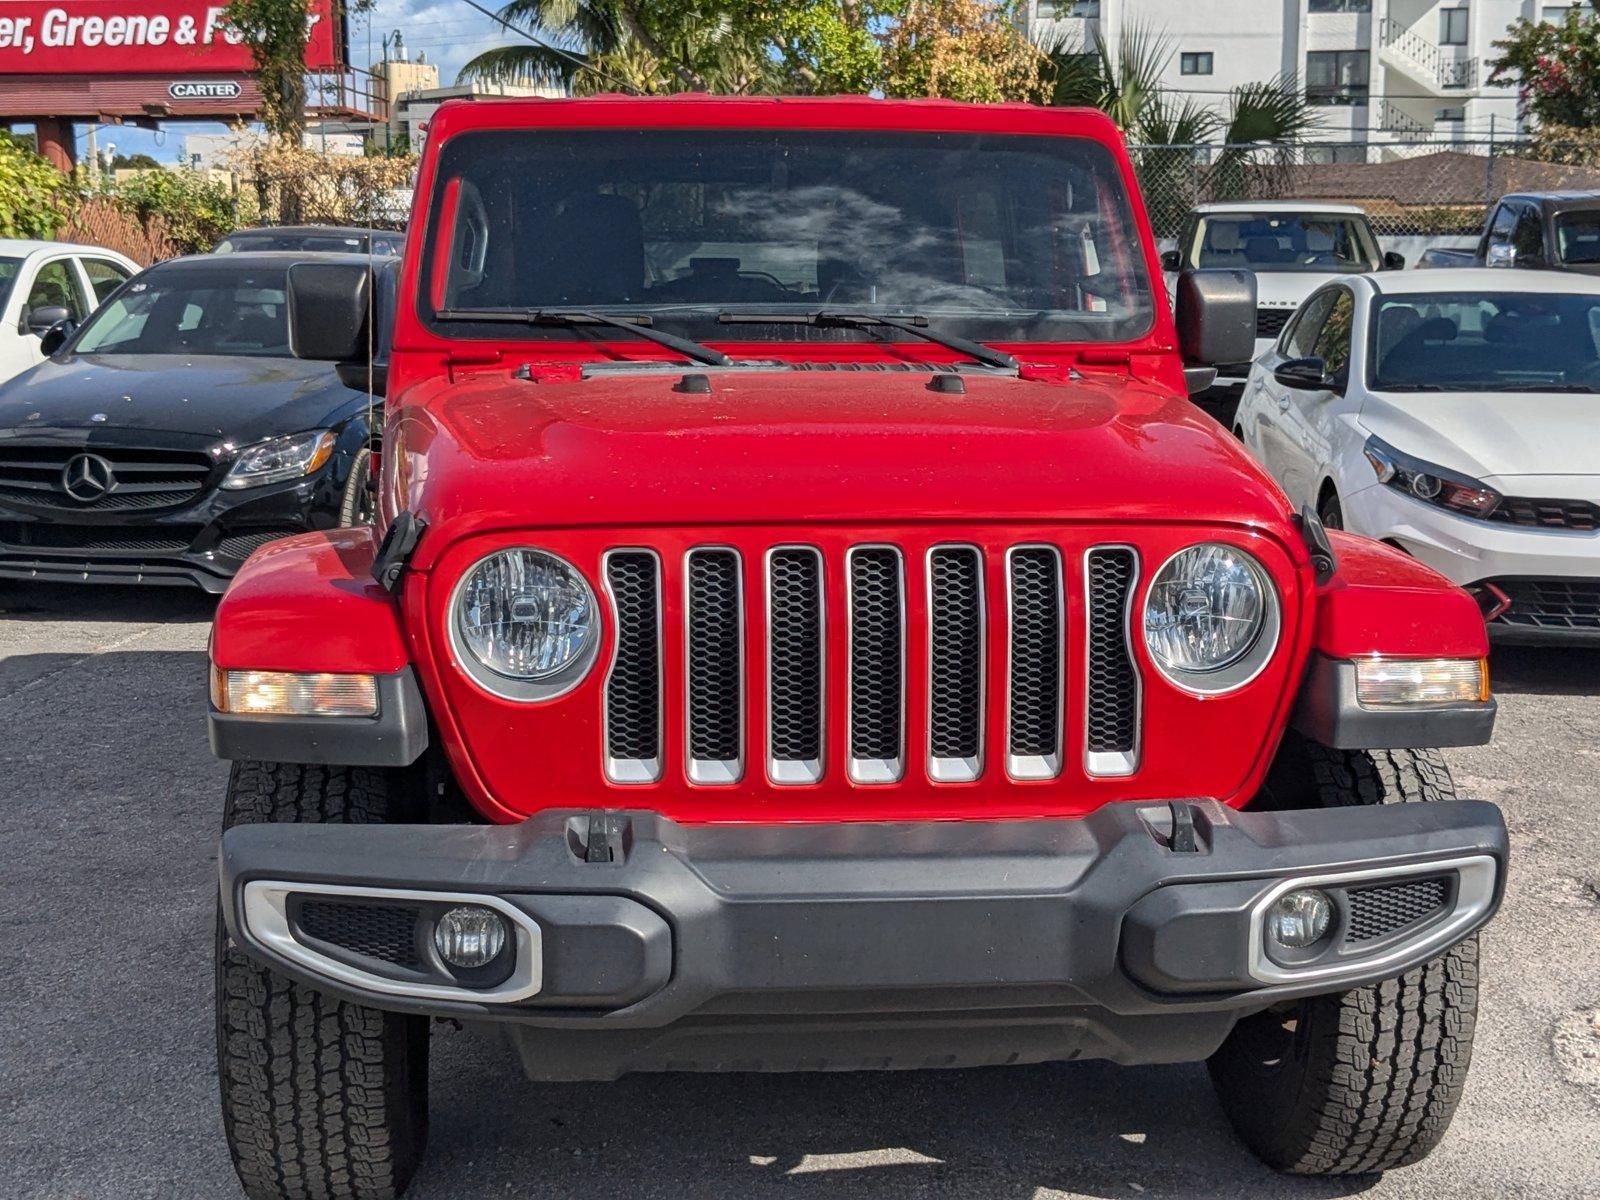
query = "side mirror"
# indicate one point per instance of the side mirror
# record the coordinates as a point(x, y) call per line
point(1304, 375)
point(52, 339)
point(1500, 255)
point(1393, 260)
point(330, 305)
point(358, 376)
point(1216, 314)
point(1171, 261)
point(45, 318)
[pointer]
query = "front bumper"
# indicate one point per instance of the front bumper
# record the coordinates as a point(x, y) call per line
point(200, 544)
point(643, 944)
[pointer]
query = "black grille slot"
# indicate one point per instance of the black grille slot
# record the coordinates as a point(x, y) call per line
point(633, 687)
point(1034, 670)
point(243, 545)
point(1551, 603)
point(715, 665)
point(877, 667)
point(34, 475)
point(794, 644)
point(955, 657)
point(1386, 908)
point(1112, 721)
point(1548, 514)
point(386, 932)
point(1270, 321)
point(110, 539)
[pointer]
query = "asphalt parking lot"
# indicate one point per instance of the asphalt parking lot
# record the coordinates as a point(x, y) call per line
point(108, 818)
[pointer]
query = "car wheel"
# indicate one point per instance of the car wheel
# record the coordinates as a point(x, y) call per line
point(1368, 1079)
point(1330, 512)
point(358, 506)
point(320, 1097)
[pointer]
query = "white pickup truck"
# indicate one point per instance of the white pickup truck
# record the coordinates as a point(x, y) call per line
point(1293, 246)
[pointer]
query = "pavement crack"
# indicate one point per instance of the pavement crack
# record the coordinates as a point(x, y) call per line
point(77, 660)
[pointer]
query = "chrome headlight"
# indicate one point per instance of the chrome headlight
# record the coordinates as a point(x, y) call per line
point(1211, 618)
point(280, 459)
point(525, 624)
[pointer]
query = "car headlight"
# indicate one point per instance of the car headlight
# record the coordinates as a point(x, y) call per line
point(525, 624)
point(1429, 483)
point(281, 458)
point(1211, 618)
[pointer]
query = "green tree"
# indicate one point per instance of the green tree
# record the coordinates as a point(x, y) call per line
point(961, 50)
point(134, 162)
point(276, 31)
point(1557, 68)
point(35, 198)
point(194, 209)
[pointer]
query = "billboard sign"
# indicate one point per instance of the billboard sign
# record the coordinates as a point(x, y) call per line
point(141, 37)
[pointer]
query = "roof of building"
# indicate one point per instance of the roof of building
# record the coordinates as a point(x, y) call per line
point(1444, 177)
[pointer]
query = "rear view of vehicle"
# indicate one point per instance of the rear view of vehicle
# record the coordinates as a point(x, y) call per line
point(808, 628)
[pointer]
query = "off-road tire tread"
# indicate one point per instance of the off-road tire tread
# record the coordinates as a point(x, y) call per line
point(321, 1099)
point(1386, 1063)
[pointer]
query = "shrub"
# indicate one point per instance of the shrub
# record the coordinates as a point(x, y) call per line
point(35, 198)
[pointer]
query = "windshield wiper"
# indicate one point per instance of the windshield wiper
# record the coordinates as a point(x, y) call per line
point(913, 323)
point(589, 316)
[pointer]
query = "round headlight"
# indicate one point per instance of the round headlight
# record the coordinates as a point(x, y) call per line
point(527, 616)
point(1211, 618)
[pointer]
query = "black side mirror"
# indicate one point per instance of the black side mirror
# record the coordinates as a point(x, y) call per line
point(330, 306)
point(1171, 260)
point(1304, 374)
point(1393, 260)
point(1216, 314)
point(52, 339)
point(46, 317)
point(359, 376)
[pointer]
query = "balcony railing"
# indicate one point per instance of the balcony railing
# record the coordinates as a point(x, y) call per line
point(1450, 72)
point(1396, 120)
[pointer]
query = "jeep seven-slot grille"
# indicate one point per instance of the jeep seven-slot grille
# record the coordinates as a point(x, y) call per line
point(1028, 636)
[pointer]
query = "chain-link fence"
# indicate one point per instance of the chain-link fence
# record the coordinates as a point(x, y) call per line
point(1408, 189)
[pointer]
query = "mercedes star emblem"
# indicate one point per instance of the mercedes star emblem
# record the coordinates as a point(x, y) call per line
point(87, 477)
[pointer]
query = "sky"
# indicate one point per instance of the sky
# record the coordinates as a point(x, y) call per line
point(448, 32)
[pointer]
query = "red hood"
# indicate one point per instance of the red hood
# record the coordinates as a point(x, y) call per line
point(494, 452)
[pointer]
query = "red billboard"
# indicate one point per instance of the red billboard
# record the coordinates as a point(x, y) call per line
point(140, 37)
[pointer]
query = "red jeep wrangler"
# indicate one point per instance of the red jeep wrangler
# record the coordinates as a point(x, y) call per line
point(808, 628)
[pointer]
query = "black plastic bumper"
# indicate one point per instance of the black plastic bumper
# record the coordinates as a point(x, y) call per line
point(862, 945)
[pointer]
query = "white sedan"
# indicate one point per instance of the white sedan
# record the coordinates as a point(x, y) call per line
point(1454, 414)
point(45, 283)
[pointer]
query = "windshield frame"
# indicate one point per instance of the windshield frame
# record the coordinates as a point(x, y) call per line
point(1365, 235)
point(102, 313)
point(8, 284)
point(1148, 317)
point(1374, 309)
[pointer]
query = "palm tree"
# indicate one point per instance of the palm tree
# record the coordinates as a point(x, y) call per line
point(1255, 136)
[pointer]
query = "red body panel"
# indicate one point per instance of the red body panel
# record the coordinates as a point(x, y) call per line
point(309, 603)
point(1383, 601)
point(496, 443)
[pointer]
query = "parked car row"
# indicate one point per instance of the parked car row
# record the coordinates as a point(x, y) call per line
point(165, 435)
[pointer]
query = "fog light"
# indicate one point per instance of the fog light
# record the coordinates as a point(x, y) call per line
point(293, 694)
point(1299, 919)
point(1387, 682)
point(469, 937)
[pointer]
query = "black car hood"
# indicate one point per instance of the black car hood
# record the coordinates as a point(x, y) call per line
point(237, 400)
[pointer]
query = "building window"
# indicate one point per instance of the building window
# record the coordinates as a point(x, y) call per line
point(1195, 63)
point(1326, 155)
point(1337, 76)
point(1048, 10)
point(1454, 113)
point(1452, 27)
point(1555, 14)
point(1340, 6)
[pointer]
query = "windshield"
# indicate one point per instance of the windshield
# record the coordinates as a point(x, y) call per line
point(993, 237)
point(335, 243)
point(192, 311)
point(8, 277)
point(1486, 342)
point(1578, 238)
point(1272, 242)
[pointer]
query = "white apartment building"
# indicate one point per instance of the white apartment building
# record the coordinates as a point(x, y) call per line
point(1382, 70)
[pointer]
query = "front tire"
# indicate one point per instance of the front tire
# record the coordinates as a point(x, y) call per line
point(1369, 1079)
point(321, 1098)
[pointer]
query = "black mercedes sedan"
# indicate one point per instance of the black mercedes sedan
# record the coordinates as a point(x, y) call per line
point(174, 433)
